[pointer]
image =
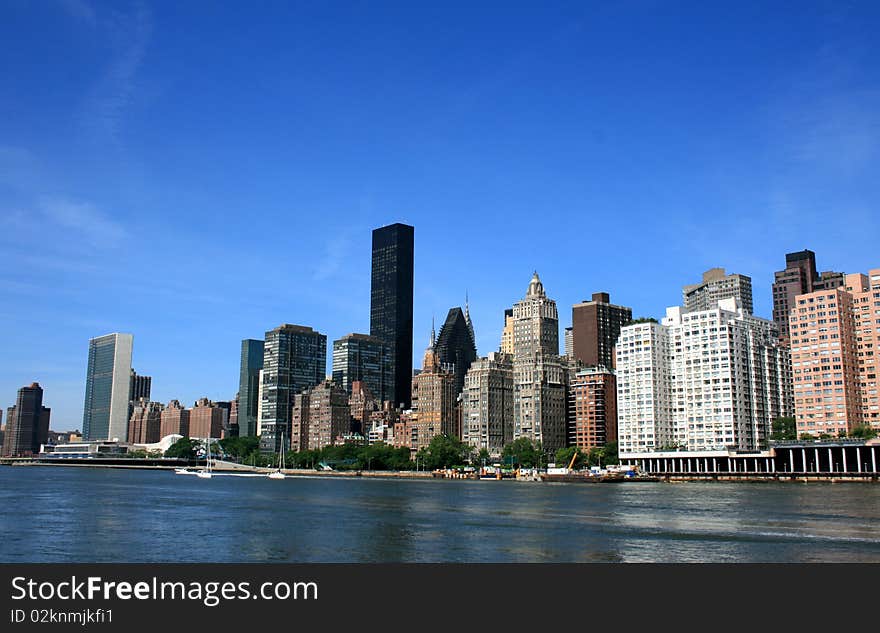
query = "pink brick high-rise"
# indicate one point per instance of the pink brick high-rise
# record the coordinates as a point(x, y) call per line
point(835, 335)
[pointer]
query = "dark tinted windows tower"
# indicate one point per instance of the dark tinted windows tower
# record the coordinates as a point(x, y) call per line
point(391, 303)
point(249, 386)
point(455, 346)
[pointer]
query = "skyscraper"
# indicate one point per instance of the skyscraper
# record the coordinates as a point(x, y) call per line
point(105, 412)
point(139, 387)
point(455, 345)
point(391, 303)
point(799, 277)
point(595, 327)
point(27, 423)
point(294, 359)
point(717, 285)
point(538, 371)
point(835, 341)
point(358, 357)
point(249, 386)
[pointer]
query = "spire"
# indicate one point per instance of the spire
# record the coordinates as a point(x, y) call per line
point(433, 335)
point(467, 319)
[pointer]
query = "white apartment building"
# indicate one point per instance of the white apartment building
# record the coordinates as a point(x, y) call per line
point(707, 380)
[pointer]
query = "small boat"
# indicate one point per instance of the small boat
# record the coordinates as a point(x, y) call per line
point(278, 474)
point(205, 473)
point(182, 471)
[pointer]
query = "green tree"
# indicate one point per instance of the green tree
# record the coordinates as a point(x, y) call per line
point(863, 431)
point(564, 457)
point(522, 453)
point(641, 320)
point(483, 457)
point(806, 437)
point(184, 448)
point(610, 454)
point(240, 449)
point(782, 429)
point(445, 452)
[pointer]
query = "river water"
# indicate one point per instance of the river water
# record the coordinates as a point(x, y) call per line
point(67, 514)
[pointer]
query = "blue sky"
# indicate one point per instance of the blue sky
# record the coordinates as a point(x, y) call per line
point(196, 174)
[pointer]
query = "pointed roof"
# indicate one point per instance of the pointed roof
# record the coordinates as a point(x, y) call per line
point(536, 288)
point(467, 319)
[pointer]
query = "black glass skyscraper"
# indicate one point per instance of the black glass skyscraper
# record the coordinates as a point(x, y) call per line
point(391, 303)
point(455, 345)
point(294, 359)
point(249, 386)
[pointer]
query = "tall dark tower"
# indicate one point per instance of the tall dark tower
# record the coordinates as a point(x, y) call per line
point(455, 346)
point(27, 423)
point(391, 303)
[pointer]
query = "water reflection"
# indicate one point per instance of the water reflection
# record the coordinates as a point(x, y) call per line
point(71, 514)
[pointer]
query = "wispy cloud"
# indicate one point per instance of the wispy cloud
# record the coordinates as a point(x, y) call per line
point(840, 132)
point(335, 253)
point(83, 219)
point(105, 105)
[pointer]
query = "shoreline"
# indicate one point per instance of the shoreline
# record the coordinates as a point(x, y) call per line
point(232, 468)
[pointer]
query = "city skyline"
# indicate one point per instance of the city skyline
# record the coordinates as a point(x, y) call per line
point(57, 426)
point(136, 208)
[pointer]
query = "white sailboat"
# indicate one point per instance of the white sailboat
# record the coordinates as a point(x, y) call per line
point(277, 474)
point(205, 473)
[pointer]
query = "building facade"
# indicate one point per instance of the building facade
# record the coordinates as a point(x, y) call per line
point(433, 401)
point(455, 345)
point(507, 333)
point(320, 415)
point(174, 420)
point(139, 387)
point(249, 386)
point(366, 359)
point(539, 373)
point(595, 327)
point(145, 424)
point(487, 404)
point(707, 380)
point(207, 419)
point(798, 278)
point(105, 411)
point(834, 336)
point(294, 359)
point(592, 408)
point(27, 423)
point(362, 405)
point(391, 303)
point(715, 286)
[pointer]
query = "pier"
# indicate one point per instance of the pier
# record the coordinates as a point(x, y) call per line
point(839, 460)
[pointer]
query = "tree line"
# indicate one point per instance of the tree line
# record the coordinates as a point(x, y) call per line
point(442, 452)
